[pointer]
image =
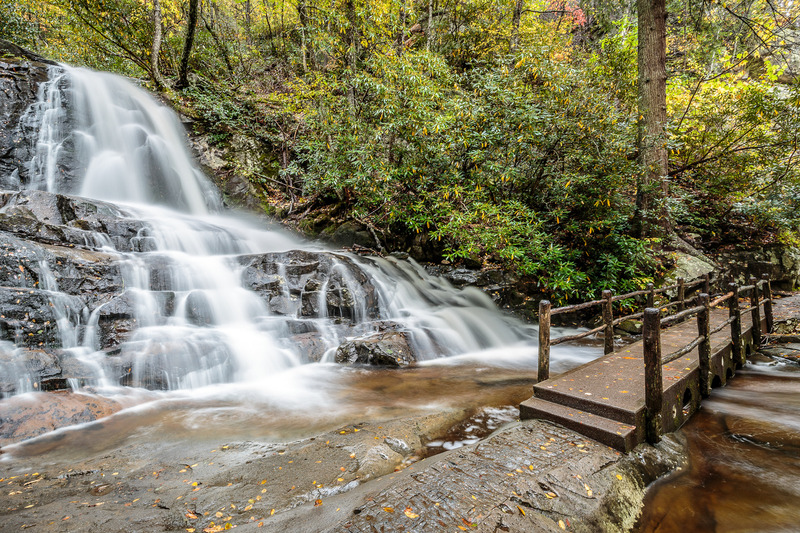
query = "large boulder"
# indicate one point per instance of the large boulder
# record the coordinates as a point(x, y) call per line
point(780, 262)
point(311, 284)
point(388, 348)
point(67, 220)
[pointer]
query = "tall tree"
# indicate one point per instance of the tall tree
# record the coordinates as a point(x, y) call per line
point(515, 20)
point(183, 74)
point(155, 52)
point(652, 187)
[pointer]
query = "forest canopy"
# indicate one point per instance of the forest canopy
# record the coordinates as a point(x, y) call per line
point(500, 132)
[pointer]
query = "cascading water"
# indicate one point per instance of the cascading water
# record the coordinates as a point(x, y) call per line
point(126, 146)
point(210, 298)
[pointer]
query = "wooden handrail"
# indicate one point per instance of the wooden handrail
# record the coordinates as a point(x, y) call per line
point(577, 336)
point(546, 312)
point(630, 295)
point(678, 317)
point(617, 298)
point(576, 307)
point(677, 354)
point(760, 295)
point(721, 299)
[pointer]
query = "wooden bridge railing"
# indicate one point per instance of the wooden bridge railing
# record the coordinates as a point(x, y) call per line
point(607, 327)
point(760, 294)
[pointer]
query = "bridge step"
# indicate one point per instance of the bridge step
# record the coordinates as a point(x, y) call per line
point(601, 390)
point(620, 436)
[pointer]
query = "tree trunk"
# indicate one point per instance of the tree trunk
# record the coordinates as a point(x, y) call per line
point(183, 75)
point(248, 23)
point(430, 32)
point(515, 20)
point(156, 50)
point(652, 186)
point(352, 55)
point(221, 48)
point(401, 38)
point(303, 16)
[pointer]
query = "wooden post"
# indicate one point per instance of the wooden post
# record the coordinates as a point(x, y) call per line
point(681, 295)
point(704, 349)
point(544, 341)
point(608, 320)
point(737, 354)
point(651, 296)
point(767, 292)
point(653, 385)
point(756, 313)
point(707, 283)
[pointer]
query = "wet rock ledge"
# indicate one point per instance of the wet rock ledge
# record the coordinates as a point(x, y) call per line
point(529, 476)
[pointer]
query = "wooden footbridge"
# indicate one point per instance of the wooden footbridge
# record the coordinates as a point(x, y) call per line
point(639, 391)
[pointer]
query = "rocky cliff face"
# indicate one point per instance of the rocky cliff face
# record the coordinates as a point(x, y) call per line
point(61, 273)
point(65, 281)
point(780, 262)
point(20, 76)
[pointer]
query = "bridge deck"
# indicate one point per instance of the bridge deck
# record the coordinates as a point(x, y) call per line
point(604, 399)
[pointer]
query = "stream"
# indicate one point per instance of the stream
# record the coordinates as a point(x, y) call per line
point(210, 323)
point(744, 460)
point(225, 330)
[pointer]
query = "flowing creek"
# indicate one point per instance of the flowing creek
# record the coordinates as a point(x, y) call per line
point(224, 323)
point(210, 358)
point(744, 460)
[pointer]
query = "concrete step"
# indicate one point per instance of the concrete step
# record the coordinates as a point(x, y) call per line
point(572, 390)
point(623, 437)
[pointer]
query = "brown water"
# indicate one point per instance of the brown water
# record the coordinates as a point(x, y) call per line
point(744, 470)
point(335, 396)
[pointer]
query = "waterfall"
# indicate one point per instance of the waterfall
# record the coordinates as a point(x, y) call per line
point(128, 147)
point(210, 297)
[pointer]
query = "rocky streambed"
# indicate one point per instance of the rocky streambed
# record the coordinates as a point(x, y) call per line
point(529, 476)
point(165, 366)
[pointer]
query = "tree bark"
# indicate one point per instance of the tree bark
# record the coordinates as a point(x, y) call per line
point(155, 51)
point(430, 32)
point(652, 187)
point(183, 75)
point(515, 20)
point(352, 52)
point(302, 14)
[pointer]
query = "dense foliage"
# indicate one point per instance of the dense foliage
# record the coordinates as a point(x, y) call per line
point(505, 131)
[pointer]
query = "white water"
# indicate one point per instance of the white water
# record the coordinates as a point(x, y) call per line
point(132, 151)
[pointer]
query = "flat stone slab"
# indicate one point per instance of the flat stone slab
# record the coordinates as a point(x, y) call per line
point(530, 476)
